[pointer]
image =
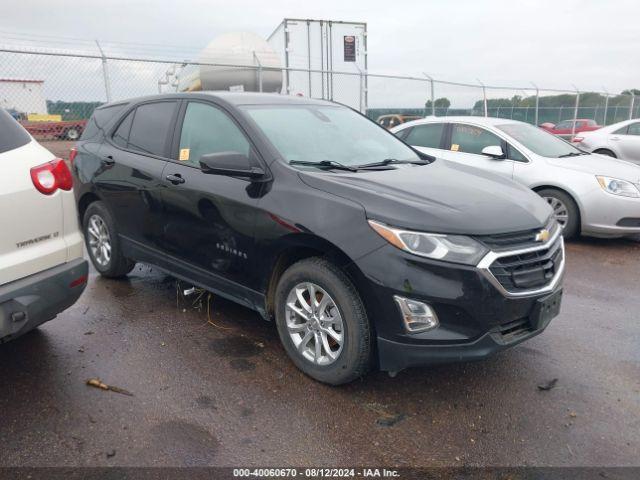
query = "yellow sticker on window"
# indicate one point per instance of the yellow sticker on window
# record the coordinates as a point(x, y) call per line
point(184, 154)
point(455, 147)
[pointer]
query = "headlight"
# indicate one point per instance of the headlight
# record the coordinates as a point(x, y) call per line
point(449, 248)
point(616, 186)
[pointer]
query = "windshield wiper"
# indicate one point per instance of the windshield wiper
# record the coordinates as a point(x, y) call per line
point(572, 154)
point(393, 161)
point(324, 164)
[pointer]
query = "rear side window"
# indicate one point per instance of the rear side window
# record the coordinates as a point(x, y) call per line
point(472, 139)
point(634, 129)
point(121, 135)
point(207, 129)
point(12, 135)
point(150, 127)
point(100, 120)
point(425, 135)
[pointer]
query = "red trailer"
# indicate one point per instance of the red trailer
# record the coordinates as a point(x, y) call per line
point(68, 130)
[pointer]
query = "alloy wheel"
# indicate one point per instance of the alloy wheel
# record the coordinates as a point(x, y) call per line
point(314, 323)
point(560, 211)
point(99, 240)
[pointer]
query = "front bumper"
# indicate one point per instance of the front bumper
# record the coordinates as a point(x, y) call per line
point(607, 215)
point(29, 302)
point(476, 318)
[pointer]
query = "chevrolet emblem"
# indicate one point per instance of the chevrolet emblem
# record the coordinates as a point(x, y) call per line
point(542, 235)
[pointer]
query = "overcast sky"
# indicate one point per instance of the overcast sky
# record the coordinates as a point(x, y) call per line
point(589, 43)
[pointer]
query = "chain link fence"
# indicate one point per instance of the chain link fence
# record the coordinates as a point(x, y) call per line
point(53, 93)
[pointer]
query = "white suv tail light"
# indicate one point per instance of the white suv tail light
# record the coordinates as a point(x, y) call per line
point(51, 176)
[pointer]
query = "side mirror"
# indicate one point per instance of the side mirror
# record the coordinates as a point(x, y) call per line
point(493, 151)
point(232, 164)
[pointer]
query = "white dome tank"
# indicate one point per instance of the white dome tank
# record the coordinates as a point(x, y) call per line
point(240, 48)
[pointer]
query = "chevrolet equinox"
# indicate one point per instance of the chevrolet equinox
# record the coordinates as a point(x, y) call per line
point(366, 252)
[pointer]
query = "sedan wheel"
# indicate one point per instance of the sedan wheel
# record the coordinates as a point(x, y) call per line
point(565, 210)
point(560, 211)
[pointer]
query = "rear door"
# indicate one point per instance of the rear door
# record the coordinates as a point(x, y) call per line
point(32, 224)
point(628, 144)
point(130, 178)
point(465, 143)
point(427, 137)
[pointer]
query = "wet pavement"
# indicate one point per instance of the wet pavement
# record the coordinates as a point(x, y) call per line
point(216, 388)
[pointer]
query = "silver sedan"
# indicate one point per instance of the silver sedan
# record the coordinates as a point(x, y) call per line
point(620, 140)
point(590, 194)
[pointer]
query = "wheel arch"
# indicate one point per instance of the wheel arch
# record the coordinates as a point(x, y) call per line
point(84, 201)
point(302, 246)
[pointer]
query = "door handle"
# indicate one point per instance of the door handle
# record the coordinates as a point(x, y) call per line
point(175, 178)
point(108, 160)
point(615, 138)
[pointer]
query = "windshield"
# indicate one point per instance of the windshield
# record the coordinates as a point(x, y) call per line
point(538, 141)
point(317, 133)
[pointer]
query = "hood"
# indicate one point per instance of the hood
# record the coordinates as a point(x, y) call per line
point(442, 197)
point(597, 164)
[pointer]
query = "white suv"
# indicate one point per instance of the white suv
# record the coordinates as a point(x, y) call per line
point(42, 269)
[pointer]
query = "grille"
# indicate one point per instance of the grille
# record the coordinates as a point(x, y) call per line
point(529, 270)
point(514, 240)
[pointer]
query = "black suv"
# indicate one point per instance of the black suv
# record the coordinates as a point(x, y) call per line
point(365, 251)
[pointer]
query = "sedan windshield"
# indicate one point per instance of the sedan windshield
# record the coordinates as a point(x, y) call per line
point(538, 141)
point(327, 133)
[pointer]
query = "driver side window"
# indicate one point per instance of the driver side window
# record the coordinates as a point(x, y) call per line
point(207, 129)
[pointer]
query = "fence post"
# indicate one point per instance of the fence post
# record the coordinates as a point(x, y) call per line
point(105, 73)
point(575, 113)
point(537, 103)
point(633, 100)
point(484, 98)
point(433, 99)
point(606, 106)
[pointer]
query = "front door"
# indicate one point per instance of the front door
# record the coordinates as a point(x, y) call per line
point(209, 219)
point(466, 144)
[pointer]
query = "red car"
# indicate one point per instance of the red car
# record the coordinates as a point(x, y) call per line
point(563, 129)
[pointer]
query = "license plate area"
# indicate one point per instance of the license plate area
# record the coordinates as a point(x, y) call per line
point(545, 309)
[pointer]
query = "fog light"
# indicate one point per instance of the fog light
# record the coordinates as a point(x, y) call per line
point(417, 316)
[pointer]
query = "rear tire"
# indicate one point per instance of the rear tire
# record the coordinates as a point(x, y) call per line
point(565, 210)
point(103, 244)
point(336, 321)
point(605, 151)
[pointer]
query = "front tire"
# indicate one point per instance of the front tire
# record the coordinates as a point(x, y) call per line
point(565, 211)
point(103, 245)
point(322, 322)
